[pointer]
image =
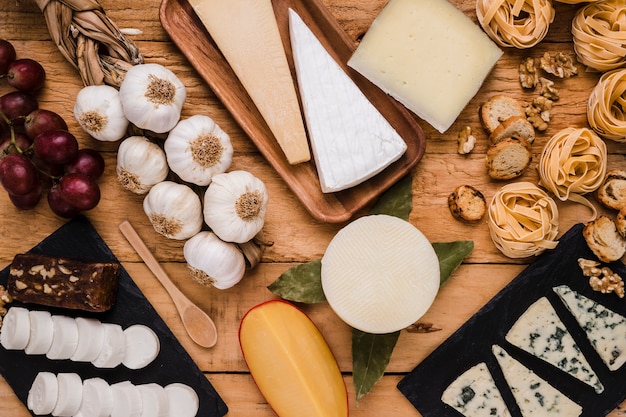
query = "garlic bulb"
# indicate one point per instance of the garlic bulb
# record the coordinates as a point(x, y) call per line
point(98, 111)
point(152, 97)
point(213, 261)
point(140, 164)
point(174, 210)
point(197, 148)
point(234, 206)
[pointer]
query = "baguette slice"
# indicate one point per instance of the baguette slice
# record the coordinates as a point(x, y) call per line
point(467, 203)
point(497, 109)
point(612, 192)
point(514, 126)
point(604, 239)
point(508, 158)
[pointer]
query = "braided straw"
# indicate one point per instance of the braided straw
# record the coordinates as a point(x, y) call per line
point(606, 107)
point(89, 40)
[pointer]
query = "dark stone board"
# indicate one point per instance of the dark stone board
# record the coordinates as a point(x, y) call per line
point(78, 239)
point(472, 342)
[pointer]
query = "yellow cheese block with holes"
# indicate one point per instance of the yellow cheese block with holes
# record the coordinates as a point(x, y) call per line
point(291, 363)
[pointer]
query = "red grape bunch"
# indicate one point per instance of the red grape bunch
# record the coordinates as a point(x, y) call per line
point(37, 152)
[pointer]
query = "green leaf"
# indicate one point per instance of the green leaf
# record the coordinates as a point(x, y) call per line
point(302, 283)
point(450, 255)
point(397, 200)
point(370, 356)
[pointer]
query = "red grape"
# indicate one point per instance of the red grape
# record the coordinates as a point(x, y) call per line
point(7, 55)
point(26, 75)
point(27, 201)
point(79, 191)
point(59, 206)
point(56, 147)
point(42, 120)
point(22, 142)
point(16, 105)
point(89, 162)
point(18, 175)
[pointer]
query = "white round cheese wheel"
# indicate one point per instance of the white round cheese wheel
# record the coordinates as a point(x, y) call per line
point(70, 394)
point(41, 333)
point(113, 347)
point(97, 399)
point(43, 394)
point(64, 339)
point(183, 400)
point(380, 274)
point(90, 339)
point(142, 346)
point(154, 399)
point(126, 400)
point(15, 330)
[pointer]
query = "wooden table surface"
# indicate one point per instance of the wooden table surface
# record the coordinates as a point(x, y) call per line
point(297, 236)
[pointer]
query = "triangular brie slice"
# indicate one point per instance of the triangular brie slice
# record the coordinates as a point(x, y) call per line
point(350, 139)
point(533, 395)
point(605, 329)
point(540, 332)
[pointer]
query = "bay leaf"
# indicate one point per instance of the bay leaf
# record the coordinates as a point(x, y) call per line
point(302, 283)
point(397, 200)
point(370, 356)
point(450, 255)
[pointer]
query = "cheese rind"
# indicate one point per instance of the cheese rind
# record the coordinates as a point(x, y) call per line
point(351, 140)
point(247, 34)
point(428, 55)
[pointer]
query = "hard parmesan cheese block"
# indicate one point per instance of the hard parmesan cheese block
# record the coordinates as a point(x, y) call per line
point(247, 34)
point(428, 55)
point(540, 332)
point(605, 329)
point(350, 138)
point(533, 395)
point(475, 394)
point(380, 274)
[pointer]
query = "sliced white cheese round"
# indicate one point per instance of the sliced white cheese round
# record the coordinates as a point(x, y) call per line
point(97, 399)
point(65, 338)
point(90, 339)
point(41, 333)
point(154, 399)
point(142, 346)
point(70, 394)
point(15, 330)
point(380, 274)
point(43, 394)
point(113, 347)
point(126, 400)
point(183, 400)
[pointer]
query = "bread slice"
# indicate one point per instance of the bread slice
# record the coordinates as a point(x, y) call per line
point(467, 203)
point(508, 158)
point(497, 109)
point(604, 239)
point(514, 126)
point(612, 191)
point(620, 222)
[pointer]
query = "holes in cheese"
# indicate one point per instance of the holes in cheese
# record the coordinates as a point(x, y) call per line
point(380, 274)
point(291, 363)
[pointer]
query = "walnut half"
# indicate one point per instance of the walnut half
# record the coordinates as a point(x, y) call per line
point(602, 279)
point(538, 112)
point(528, 76)
point(559, 65)
point(466, 141)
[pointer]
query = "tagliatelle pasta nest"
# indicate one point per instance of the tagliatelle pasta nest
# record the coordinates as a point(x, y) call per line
point(606, 107)
point(515, 23)
point(573, 163)
point(523, 220)
point(599, 33)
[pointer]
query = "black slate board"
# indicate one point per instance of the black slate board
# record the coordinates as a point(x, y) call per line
point(79, 239)
point(472, 343)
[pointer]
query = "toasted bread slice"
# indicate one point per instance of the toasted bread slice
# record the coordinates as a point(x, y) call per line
point(612, 191)
point(497, 109)
point(508, 158)
point(514, 126)
point(604, 239)
point(467, 203)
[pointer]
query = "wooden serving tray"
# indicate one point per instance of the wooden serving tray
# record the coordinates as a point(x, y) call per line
point(191, 37)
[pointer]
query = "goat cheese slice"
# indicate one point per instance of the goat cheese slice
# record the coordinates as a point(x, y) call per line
point(351, 140)
point(475, 394)
point(533, 395)
point(540, 332)
point(605, 329)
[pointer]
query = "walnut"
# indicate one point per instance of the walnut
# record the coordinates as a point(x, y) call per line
point(538, 112)
point(548, 90)
point(560, 65)
point(528, 76)
point(466, 140)
point(5, 298)
point(602, 279)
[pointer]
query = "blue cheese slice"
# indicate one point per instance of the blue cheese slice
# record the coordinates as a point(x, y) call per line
point(605, 329)
point(475, 394)
point(351, 140)
point(533, 395)
point(540, 332)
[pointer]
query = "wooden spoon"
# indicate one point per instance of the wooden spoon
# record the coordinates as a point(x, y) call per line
point(198, 324)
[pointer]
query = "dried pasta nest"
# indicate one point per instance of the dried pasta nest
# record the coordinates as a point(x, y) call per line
point(599, 33)
point(515, 23)
point(606, 107)
point(523, 220)
point(573, 163)
point(575, 1)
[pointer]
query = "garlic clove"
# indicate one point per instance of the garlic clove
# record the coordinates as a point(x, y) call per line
point(140, 164)
point(174, 210)
point(98, 111)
